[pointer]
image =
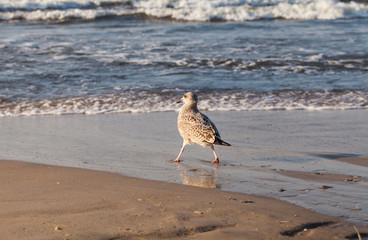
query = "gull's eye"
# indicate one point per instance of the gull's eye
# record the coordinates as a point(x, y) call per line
point(185, 96)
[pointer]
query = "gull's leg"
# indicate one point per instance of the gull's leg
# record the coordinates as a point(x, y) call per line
point(180, 153)
point(214, 153)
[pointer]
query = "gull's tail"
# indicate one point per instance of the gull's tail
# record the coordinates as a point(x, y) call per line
point(219, 141)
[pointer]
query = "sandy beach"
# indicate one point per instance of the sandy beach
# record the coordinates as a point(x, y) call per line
point(288, 174)
point(47, 202)
point(89, 94)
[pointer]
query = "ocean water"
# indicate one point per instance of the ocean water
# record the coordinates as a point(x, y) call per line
point(112, 56)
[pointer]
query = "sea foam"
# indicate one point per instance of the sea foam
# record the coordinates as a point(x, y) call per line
point(183, 10)
point(233, 100)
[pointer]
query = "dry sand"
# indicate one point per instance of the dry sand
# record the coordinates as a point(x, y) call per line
point(48, 202)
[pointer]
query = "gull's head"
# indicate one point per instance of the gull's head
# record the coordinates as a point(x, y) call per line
point(189, 97)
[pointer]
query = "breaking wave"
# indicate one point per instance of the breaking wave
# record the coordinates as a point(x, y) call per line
point(210, 100)
point(182, 10)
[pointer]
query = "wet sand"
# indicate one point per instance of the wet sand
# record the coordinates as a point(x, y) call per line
point(48, 202)
point(357, 160)
point(312, 149)
point(322, 176)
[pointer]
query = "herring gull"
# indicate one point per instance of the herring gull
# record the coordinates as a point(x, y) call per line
point(195, 127)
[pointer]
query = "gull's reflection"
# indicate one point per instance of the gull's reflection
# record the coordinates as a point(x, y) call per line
point(199, 177)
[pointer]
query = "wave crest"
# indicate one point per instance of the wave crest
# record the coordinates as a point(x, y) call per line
point(210, 100)
point(182, 10)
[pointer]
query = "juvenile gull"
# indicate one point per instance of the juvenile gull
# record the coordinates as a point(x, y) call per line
point(195, 127)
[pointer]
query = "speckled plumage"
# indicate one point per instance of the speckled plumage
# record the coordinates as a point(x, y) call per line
point(195, 127)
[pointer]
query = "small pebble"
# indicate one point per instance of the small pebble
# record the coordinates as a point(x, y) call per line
point(58, 228)
point(353, 179)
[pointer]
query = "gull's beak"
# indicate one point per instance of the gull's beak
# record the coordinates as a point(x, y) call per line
point(180, 100)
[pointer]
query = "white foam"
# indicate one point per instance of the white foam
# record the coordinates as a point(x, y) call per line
point(42, 4)
point(61, 15)
point(187, 10)
point(192, 10)
point(315, 58)
point(145, 102)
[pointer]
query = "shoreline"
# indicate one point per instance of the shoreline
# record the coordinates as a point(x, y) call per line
point(141, 145)
point(49, 202)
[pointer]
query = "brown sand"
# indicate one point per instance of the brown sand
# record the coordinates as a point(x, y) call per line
point(348, 158)
point(47, 202)
point(360, 160)
point(322, 176)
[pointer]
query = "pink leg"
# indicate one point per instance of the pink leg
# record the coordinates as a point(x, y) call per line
point(181, 152)
point(214, 153)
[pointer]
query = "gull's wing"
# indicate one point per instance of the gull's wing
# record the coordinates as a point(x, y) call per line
point(198, 128)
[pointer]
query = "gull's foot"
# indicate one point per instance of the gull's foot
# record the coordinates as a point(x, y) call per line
point(216, 160)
